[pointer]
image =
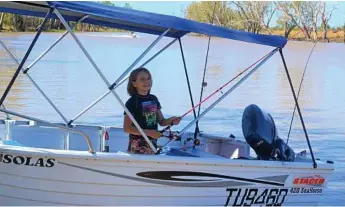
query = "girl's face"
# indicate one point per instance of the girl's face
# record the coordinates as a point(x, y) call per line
point(143, 83)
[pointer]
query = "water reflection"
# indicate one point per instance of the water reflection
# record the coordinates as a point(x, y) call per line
point(15, 96)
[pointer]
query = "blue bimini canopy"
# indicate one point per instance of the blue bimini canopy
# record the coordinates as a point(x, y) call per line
point(133, 20)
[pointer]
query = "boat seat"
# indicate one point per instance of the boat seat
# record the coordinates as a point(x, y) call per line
point(11, 142)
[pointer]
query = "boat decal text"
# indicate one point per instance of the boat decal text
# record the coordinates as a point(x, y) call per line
point(254, 196)
point(309, 180)
point(28, 161)
point(306, 190)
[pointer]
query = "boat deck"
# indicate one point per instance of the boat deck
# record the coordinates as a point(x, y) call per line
point(31, 134)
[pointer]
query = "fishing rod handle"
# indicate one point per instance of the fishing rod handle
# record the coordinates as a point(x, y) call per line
point(165, 129)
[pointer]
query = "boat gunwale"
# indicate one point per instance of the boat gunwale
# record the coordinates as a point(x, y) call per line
point(161, 159)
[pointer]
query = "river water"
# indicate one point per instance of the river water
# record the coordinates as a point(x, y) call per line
point(70, 81)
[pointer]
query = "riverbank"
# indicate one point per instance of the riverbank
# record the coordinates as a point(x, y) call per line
point(336, 36)
point(6, 28)
point(297, 35)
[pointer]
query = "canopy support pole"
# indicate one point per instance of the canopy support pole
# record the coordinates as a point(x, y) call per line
point(230, 90)
point(25, 71)
point(298, 108)
point(69, 29)
point(138, 59)
point(116, 85)
point(25, 57)
point(203, 83)
point(149, 60)
point(135, 123)
point(58, 14)
point(225, 94)
point(7, 115)
point(159, 52)
point(187, 77)
point(53, 45)
point(34, 83)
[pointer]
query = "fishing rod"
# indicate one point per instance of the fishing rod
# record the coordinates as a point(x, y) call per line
point(203, 84)
point(177, 136)
point(171, 136)
point(219, 89)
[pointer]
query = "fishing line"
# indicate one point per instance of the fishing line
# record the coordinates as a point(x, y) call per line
point(299, 89)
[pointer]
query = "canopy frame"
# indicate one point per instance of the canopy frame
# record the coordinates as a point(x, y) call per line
point(111, 87)
point(187, 76)
point(3, 97)
point(224, 95)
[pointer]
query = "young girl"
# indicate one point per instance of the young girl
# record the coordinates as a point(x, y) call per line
point(146, 110)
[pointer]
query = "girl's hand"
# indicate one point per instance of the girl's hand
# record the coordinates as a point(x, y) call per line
point(153, 133)
point(175, 120)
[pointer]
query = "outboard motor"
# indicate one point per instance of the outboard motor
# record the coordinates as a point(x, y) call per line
point(260, 132)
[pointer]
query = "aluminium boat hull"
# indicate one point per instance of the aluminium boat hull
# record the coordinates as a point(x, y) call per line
point(33, 176)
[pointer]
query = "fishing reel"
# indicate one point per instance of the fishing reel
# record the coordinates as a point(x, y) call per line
point(174, 136)
point(171, 135)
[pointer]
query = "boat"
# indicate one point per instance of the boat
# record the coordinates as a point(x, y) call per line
point(133, 35)
point(191, 168)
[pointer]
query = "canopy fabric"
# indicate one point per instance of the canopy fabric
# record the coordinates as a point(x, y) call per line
point(134, 20)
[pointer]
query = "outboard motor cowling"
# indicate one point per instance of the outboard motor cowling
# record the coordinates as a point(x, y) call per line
point(259, 130)
point(261, 134)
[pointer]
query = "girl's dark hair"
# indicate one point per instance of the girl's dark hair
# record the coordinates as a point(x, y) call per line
point(133, 77)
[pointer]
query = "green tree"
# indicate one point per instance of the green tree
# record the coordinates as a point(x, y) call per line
point(108, 3)
point(255, 15)
point(205, 10)
point(285, 23)
point(128, 5)
point(325, 17)
point(303, 14)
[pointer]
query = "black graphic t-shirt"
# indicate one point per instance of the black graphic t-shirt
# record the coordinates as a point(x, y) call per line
point(144, 109)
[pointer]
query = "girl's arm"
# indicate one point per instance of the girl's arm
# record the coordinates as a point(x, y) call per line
point(165, 122)
point(130, 129)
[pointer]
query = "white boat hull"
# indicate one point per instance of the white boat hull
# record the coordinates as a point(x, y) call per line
point(30, 176)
